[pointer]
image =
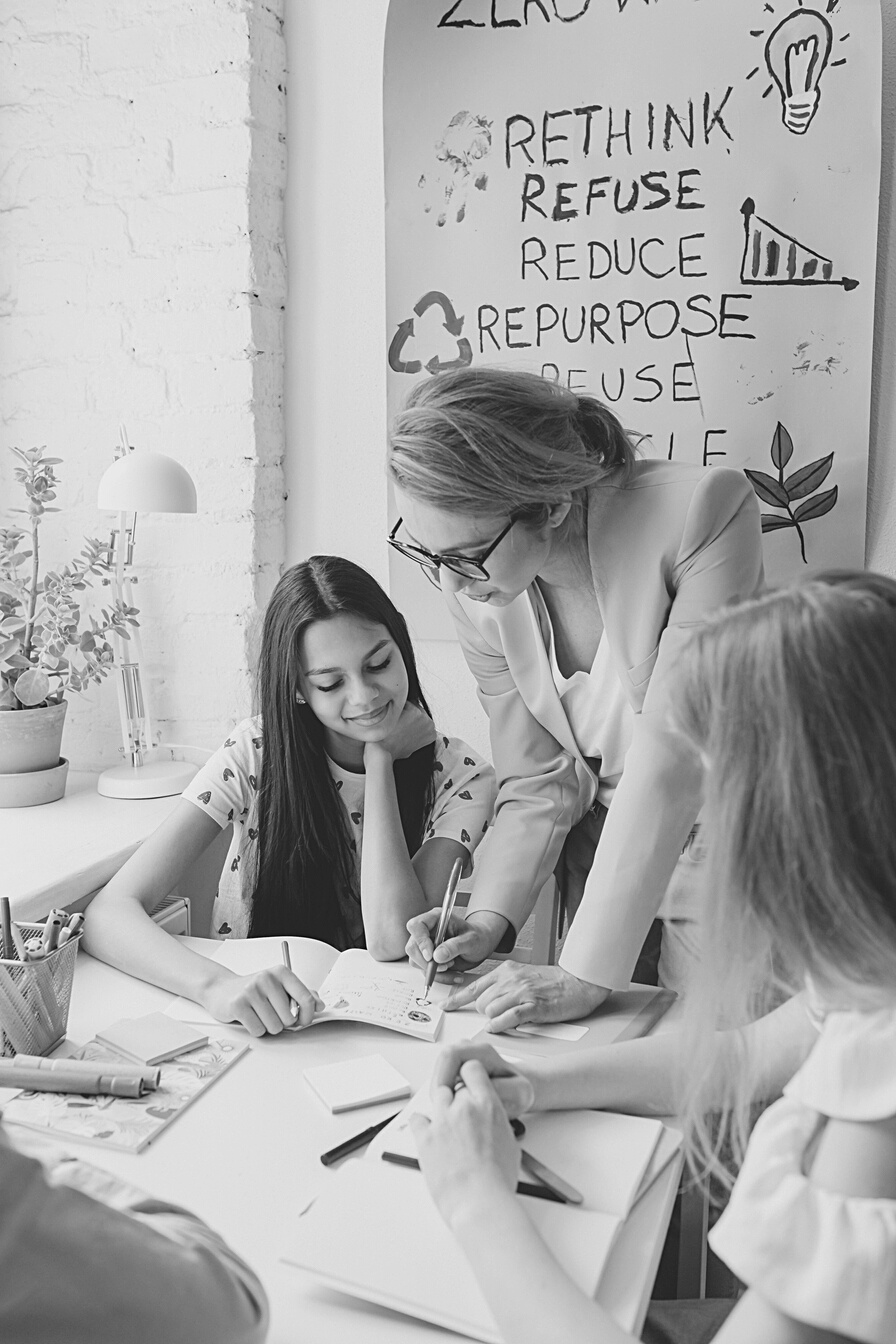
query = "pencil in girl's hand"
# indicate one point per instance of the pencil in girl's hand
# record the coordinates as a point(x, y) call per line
point(287, 962)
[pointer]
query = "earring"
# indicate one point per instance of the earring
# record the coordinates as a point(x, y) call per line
point(299, 700)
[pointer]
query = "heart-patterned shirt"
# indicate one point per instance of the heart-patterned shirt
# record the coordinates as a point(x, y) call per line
point(226, 789)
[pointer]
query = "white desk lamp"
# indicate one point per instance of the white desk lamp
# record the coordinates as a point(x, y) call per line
point(140, 482)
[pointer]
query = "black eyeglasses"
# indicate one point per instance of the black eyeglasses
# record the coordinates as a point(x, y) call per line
point(463, 565)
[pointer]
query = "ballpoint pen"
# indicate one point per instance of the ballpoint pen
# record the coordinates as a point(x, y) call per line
point(447, 906)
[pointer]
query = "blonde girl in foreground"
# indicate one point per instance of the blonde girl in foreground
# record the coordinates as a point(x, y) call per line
point(790, 702)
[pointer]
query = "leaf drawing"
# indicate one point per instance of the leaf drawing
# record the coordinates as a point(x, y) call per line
point(807, 479)
point(799, 485)
point(817, 507)
point(782, 447)
point(768, 489)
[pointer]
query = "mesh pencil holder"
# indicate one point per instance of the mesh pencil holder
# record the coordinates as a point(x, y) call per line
point(34, 998)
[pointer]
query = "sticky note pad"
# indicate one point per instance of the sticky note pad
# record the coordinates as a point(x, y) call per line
point(357, 1082)
point(151, 1039)
point(557, 1031)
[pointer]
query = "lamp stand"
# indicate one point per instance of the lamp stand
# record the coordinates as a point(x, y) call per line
point(152, 779)
point(147, 775)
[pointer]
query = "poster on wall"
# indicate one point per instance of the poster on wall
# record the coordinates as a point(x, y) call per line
point(671, 204)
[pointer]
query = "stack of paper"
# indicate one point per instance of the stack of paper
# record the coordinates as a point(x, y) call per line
point(610, 1159)
point(423, 1272)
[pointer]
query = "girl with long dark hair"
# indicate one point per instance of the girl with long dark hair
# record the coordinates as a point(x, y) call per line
point(348, 808)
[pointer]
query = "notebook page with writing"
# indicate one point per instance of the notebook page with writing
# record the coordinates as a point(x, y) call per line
point(358, 989)
point(337, 1240)
point(354, 987)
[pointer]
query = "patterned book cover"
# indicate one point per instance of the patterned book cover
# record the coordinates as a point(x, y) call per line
point(128, 1123)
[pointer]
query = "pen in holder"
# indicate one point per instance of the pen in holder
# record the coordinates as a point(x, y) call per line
point(35, 996)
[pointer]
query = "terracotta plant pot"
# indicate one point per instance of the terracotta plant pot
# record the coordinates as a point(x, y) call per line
point(31, 739)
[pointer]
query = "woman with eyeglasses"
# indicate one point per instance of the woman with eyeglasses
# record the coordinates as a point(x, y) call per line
point(574, 571)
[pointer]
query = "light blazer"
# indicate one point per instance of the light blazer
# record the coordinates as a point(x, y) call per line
point(672, 546)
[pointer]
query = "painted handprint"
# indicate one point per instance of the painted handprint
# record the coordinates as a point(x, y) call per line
point(467, 141)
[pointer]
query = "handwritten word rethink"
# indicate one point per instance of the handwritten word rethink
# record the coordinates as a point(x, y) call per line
point(600, 131)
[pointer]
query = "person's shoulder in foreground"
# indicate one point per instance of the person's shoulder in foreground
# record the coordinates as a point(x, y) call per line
point(87, 1259)
point(820, 1254)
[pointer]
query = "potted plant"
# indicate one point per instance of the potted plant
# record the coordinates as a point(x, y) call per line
point(48, 644)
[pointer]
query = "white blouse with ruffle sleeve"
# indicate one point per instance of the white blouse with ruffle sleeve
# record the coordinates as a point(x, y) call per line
point(825, 1259)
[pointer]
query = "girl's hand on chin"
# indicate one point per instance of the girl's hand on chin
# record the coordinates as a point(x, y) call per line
point(467, 1152)
point(414, 730)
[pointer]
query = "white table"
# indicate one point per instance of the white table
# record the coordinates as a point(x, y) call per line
point(245, 1156)
point(60, 854)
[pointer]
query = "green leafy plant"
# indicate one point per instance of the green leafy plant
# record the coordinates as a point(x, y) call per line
point(48, 645)
point(799, 485)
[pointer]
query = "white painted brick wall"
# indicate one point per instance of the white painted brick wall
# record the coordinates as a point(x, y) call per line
point(142, 278)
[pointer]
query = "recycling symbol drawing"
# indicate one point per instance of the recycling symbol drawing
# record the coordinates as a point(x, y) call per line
point(405, 332)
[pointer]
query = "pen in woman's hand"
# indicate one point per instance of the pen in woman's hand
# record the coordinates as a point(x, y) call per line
point(447, 906)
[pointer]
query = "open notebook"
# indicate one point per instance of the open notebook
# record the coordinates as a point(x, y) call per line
point(607, 1157)
point(384, 993)
point(354, 987)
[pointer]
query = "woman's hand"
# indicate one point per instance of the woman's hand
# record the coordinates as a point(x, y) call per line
point(515, 1086)
point(467, 1152)
point(415, 729)
point(468, 939)
point(265, 1003)
point(515, 993)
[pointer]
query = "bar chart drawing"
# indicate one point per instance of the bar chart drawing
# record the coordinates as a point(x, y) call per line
point(773, 257)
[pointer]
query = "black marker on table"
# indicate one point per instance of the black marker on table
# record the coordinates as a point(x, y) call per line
point(522, 1188)
point(357, 1141)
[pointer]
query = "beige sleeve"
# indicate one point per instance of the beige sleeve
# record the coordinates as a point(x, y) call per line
point(658, 797)
point(538, 792)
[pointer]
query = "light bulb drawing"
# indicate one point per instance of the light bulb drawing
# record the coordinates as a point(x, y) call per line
point(797, 54)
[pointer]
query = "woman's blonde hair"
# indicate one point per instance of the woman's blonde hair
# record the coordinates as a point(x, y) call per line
point(485, 441)
point(791, 699)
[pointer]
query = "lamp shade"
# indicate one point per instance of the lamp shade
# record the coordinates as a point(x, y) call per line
point(144, 482)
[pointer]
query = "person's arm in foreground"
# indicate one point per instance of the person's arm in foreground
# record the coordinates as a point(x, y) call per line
point(470, 1162)
point(119, 930)
point(394, 886)
point(642, 1077)
point(87, 1259)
